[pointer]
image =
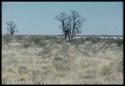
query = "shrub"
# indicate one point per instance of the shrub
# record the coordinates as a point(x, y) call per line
point(7, 39)
point(74, 42)
point(34, 39)
point(106, 70)
point(61, 63)
point(19, 37)
point(95, 40)
point(38, 41)
point(61, 60)
point(59, 41)
point(26, 44)
point(46, 52)
point(42, 43)
point(119, 42)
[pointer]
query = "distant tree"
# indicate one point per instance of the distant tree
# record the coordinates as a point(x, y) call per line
point(76, 23)
point(70, 24)
point(11, 27)
point(62, 18)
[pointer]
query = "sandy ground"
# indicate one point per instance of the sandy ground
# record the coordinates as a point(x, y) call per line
point(62, 63)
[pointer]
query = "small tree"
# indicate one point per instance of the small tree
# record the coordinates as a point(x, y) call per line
point(76, 23)
point(11, 27)
point(70, 24)
point(62, 18)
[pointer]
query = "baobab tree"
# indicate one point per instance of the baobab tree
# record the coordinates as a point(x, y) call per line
point(11, 27)
point(70, 24)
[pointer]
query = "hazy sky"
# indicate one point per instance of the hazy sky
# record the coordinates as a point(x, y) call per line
point(102, 18)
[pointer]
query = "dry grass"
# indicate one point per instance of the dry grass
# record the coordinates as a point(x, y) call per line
point(59, 62)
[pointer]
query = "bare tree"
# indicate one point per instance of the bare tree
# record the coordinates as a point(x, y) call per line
point(11, 27)
point(62, 18)
point(76, 23)
point(70, 24)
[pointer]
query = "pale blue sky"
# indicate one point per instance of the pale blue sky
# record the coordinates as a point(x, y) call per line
point(37, 18)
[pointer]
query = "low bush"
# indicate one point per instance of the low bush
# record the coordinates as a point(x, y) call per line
point(26, 44)
point(6, 39)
